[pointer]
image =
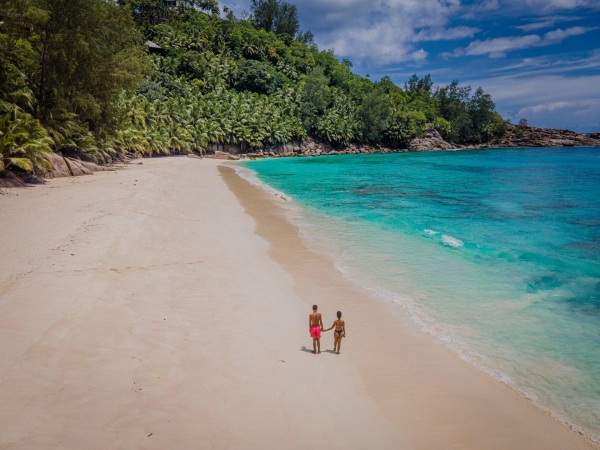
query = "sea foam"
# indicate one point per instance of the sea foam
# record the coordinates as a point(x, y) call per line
point(452, 241)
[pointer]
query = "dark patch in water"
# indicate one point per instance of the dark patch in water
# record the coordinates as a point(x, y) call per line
point(589, 303)
point(543, 283)
point(585, 246)
point(588, 222)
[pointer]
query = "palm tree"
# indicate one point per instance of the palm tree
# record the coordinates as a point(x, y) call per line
point(23, 142)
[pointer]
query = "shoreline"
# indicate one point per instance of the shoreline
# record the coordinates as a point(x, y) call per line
point(401, 318)
point(412, 314)
point(164, 306)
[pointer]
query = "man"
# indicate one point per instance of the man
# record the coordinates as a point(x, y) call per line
point(315, 324)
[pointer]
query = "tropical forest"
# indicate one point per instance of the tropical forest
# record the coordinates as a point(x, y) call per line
point(95, 79)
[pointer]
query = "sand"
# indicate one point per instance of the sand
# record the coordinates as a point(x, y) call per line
point(165, 306)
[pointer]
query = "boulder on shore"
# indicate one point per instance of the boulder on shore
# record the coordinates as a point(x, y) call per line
point(60, 169)
point(525, 136)
point(9, 179)
point(77, 168)
point(432, 141)
point(225, 155)
point(91, 166)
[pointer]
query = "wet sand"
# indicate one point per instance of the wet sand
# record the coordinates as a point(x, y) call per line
point(165, 306)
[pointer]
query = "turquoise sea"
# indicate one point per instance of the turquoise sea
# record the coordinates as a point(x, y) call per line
point(494, 252)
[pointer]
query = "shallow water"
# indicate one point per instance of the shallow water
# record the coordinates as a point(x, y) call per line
point(496, 252)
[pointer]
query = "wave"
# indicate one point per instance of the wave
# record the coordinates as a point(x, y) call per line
point(431, 232)
point(452, 241)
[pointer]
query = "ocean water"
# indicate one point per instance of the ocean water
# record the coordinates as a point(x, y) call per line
point(494, 252)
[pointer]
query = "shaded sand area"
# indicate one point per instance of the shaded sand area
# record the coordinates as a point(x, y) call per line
point(165, 306)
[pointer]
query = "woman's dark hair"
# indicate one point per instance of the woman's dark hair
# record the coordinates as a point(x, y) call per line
point(339, 314)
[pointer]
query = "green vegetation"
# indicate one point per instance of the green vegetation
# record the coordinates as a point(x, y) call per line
point(75, 78)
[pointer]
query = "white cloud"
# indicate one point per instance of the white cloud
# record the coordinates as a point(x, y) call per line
point(448, 34)
point(563, 4)
point(546, 107)
point(548, 100)
point(546, 65)
point(379, 32)
point(474, 11)
point(558, 35)
point(419, 55)
point(383, 32)
point(546, 22)
point(498, 47)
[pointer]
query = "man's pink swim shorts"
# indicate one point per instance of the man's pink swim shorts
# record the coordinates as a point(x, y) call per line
point(315, 332)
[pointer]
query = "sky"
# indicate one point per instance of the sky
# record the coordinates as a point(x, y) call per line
point(539, 59)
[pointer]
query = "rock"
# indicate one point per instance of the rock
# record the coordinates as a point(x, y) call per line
point(9, 179)
point(221, 155)
point(91, 166)
point(431, 141)
point(191, 155)
point(595, 136)
point(517, 136)
point(30, 178)
point(60, 169)
point(225, 155)
point(77, 168)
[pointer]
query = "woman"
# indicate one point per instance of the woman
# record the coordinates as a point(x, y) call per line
point(339, 333)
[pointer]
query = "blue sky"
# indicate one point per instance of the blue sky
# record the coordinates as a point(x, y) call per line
point(540, 59)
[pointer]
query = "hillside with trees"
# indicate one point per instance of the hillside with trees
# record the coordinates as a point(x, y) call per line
point(76, 78)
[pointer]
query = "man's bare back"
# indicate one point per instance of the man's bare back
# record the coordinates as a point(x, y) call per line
point(316, 319)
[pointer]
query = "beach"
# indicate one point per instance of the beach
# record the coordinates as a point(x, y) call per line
point(164, 305)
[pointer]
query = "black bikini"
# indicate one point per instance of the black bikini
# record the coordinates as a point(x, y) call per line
point(339, 332)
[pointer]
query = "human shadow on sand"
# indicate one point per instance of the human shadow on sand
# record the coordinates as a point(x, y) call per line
point(308, 350)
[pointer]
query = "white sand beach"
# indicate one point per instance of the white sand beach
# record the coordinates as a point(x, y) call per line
point(165, 306)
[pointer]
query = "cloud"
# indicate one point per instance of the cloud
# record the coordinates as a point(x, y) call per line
point(382, 32)
point(378, 32)
point(546, 107)
point(474, 11)
point(498, 47)
point(558, 35)
point(550, 100)
point(545, 22)
point(563, 4)
point(553, 64)
point(419, 55)
point(448, 34)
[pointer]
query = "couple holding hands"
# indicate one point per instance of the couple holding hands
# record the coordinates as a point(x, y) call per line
point(315, 325)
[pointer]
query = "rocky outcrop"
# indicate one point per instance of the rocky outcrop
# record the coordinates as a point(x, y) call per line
point(518, 136)
point(233, 149)
point(431, 141)
point(305, 147)
point(77, 168)
point(70, 167)
point(225, 155)
point(9, 180)
point(515, 137)
point(60, 168)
